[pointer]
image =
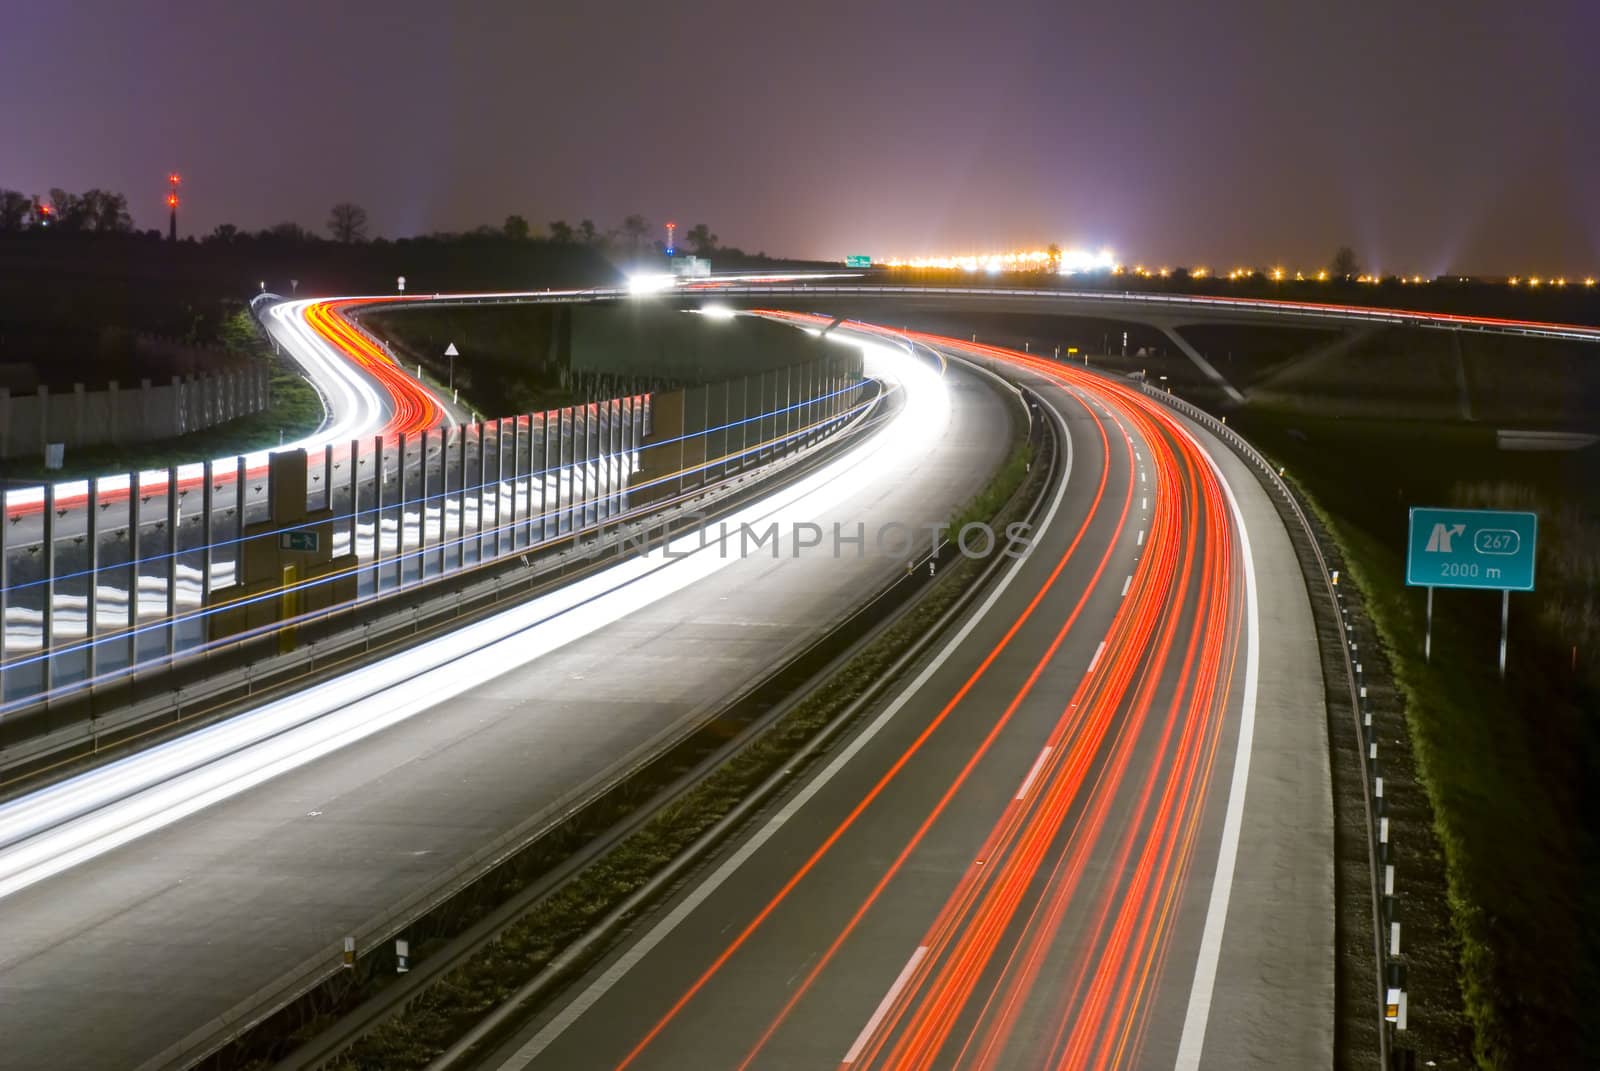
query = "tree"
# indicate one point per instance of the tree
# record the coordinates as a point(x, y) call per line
point(1345, 265)
point(561, 231)
point(516, 228)
point(586, 232)
point(224, 234)
point(635, 231)
point(14, 209)
point(287, 232)
point(105, 212)
point(348, 223)
point(66, 210)
point(701, 240)
point(1054, 253)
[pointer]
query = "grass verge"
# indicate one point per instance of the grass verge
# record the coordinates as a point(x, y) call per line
point(294, 410)
point(1503, 764)
point(450, 1007)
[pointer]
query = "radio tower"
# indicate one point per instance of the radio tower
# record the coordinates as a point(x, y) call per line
point(672, 228)
point(172, 204)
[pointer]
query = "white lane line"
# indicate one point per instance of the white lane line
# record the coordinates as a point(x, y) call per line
point(1038, 764)
point(1193, 1038)
point(1098, 651)
point(1144, 503)
point(1125, 584)
point(640, 949)
point(1140, 543)
point(887, 1003)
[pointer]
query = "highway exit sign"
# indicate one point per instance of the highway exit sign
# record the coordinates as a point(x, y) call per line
point(1471, 548)
point(858, 260)
point(302, 541)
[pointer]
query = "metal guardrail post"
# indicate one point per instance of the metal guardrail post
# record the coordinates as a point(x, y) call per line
point(353, 459)
point(483, 483)
point(422, 514)
point(47, 633)
point(400, 528)
point(327, 476)
point(133, 562)
point(377, 513)
point(545, 441)
point(461, 495)
point(173, 516)
point(5, 588)
point(207, 529)
point(91, 603)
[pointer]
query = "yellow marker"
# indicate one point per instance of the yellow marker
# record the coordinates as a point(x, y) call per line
point(288, 608)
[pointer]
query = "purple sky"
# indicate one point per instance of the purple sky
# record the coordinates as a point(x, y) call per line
point(1461, 136)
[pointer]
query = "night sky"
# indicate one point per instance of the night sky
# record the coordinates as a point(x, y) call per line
point(1429, 136)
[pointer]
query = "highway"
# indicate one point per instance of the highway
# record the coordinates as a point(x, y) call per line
point(171, 907)
point(1094, 829)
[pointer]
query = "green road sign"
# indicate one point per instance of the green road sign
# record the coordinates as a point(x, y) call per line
point(858, 260)
point(306, 541)
point(1471, 548)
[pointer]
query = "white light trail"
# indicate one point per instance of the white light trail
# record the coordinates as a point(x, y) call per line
point(61, 826)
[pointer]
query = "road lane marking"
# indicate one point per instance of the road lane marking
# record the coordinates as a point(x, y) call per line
point(1098, 651)
point(887, 1002)
point(1125, 584)
point(1140, 543)
point(1192, 1041)
point(624, 963)
point(1038, 764)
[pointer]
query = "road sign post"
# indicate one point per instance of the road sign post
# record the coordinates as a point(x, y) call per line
point(451, 352)
point(1472, 548)
point(858, 260)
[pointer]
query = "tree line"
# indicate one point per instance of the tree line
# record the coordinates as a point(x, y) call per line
point(93, 211)
point(99, 211)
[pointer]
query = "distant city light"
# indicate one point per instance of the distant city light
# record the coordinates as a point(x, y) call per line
point(1064, 262)
point(1081, 261)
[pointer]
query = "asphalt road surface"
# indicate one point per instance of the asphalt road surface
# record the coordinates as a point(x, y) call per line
point(1094, 828)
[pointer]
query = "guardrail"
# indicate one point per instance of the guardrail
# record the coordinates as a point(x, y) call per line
point(1131, 299)
point(1391, 993)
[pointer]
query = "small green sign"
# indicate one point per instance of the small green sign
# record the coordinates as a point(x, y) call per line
point(302, 541)
point(858, 260)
